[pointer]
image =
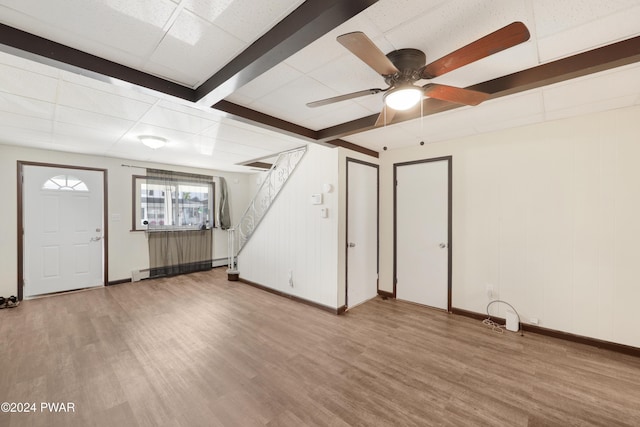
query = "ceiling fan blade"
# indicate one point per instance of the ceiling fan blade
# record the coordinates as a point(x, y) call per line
point(344, 97)
point(362, 47)
point(504, 38)
point(454, 94)
point(385, 117)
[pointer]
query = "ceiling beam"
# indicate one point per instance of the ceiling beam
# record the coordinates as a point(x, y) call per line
point(600, 59)
point(265, 121)
point(310, 21)
point(42, 50)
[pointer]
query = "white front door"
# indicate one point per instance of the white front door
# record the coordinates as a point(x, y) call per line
point(422, 230)
point(362, 232)
point(63, 229)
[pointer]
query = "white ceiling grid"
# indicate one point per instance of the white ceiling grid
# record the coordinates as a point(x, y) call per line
point(186, 41)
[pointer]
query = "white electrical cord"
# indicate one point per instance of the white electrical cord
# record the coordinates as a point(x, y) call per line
point(496, 327)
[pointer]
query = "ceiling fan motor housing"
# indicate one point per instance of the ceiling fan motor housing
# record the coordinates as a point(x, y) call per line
point(410, 63)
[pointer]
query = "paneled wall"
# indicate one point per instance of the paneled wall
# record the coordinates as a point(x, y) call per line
point(548, 215)
point(293, 240)
point(127, 250)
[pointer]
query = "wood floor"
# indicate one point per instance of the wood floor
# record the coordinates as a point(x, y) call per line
point(197, 350)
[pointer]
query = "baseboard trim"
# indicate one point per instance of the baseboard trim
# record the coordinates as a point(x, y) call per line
point(385, 294)
point(118, 282)
point(220, 262)
point(554, 333)
point(339, 310)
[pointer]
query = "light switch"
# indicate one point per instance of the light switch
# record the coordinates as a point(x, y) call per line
point(324, 213)
point(316, 199)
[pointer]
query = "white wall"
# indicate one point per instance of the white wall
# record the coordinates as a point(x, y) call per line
point(549, 214)
point(127, 250)
point(292, 236)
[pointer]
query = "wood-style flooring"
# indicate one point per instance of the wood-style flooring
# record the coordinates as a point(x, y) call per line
point(197, 350)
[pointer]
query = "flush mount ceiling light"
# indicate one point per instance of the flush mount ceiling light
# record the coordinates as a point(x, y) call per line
point(403, 97)
point(152, 141)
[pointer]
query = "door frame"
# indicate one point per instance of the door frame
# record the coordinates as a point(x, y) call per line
point(20, 229)
point(449, 160)
point(346, 233)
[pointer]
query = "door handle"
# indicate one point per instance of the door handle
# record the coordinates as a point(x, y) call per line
point(351, 245)
point(442, 245)
point(95, 239)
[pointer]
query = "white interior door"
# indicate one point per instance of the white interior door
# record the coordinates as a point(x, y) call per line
point(362, 232)
point(422, 229)
point(63, 229)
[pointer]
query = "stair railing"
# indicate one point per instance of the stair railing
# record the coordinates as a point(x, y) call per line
point(273, 182)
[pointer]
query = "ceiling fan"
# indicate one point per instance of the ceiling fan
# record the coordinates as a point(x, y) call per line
point(402, 68)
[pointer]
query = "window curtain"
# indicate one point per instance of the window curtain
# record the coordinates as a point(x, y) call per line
point(223, 205)
point(180, 239)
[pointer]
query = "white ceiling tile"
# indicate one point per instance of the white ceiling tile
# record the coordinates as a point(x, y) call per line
point(171, 119)
point(86, 25)
point(334, 114)
point(289, 101)
point(75, 137)
point(9, 120)
point(26, 107)
point(348, 74)
point(240, 99)
point(554, 16)
point(110, 127)
point(28, 84)
point(240, 149)
point(10, 59)
point(196, 45)
point(327, 48)
point(90, 99)
point(373, 103)
point(107, 85)
point(602, 86)
point(172, 72)
point(387, 15)
point(245, 19)
point(29, 137)
point(192, 109)
point(266, 83)
point(594, 33)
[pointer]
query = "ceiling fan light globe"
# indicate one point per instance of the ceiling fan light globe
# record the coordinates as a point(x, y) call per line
point(403, 98)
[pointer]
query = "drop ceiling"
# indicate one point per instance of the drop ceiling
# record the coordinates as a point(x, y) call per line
point(204, 52)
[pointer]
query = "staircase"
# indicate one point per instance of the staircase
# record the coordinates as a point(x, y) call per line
point(275, 179)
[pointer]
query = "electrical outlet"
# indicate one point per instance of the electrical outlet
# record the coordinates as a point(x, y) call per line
point(534, 321)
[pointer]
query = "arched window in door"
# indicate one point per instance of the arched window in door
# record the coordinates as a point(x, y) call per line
point(65, 183)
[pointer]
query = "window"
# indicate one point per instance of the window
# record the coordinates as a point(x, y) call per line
point(177, 202)
point(65, 183)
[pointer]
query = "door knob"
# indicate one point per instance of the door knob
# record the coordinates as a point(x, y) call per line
point(352, 245)
point(442, 245)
